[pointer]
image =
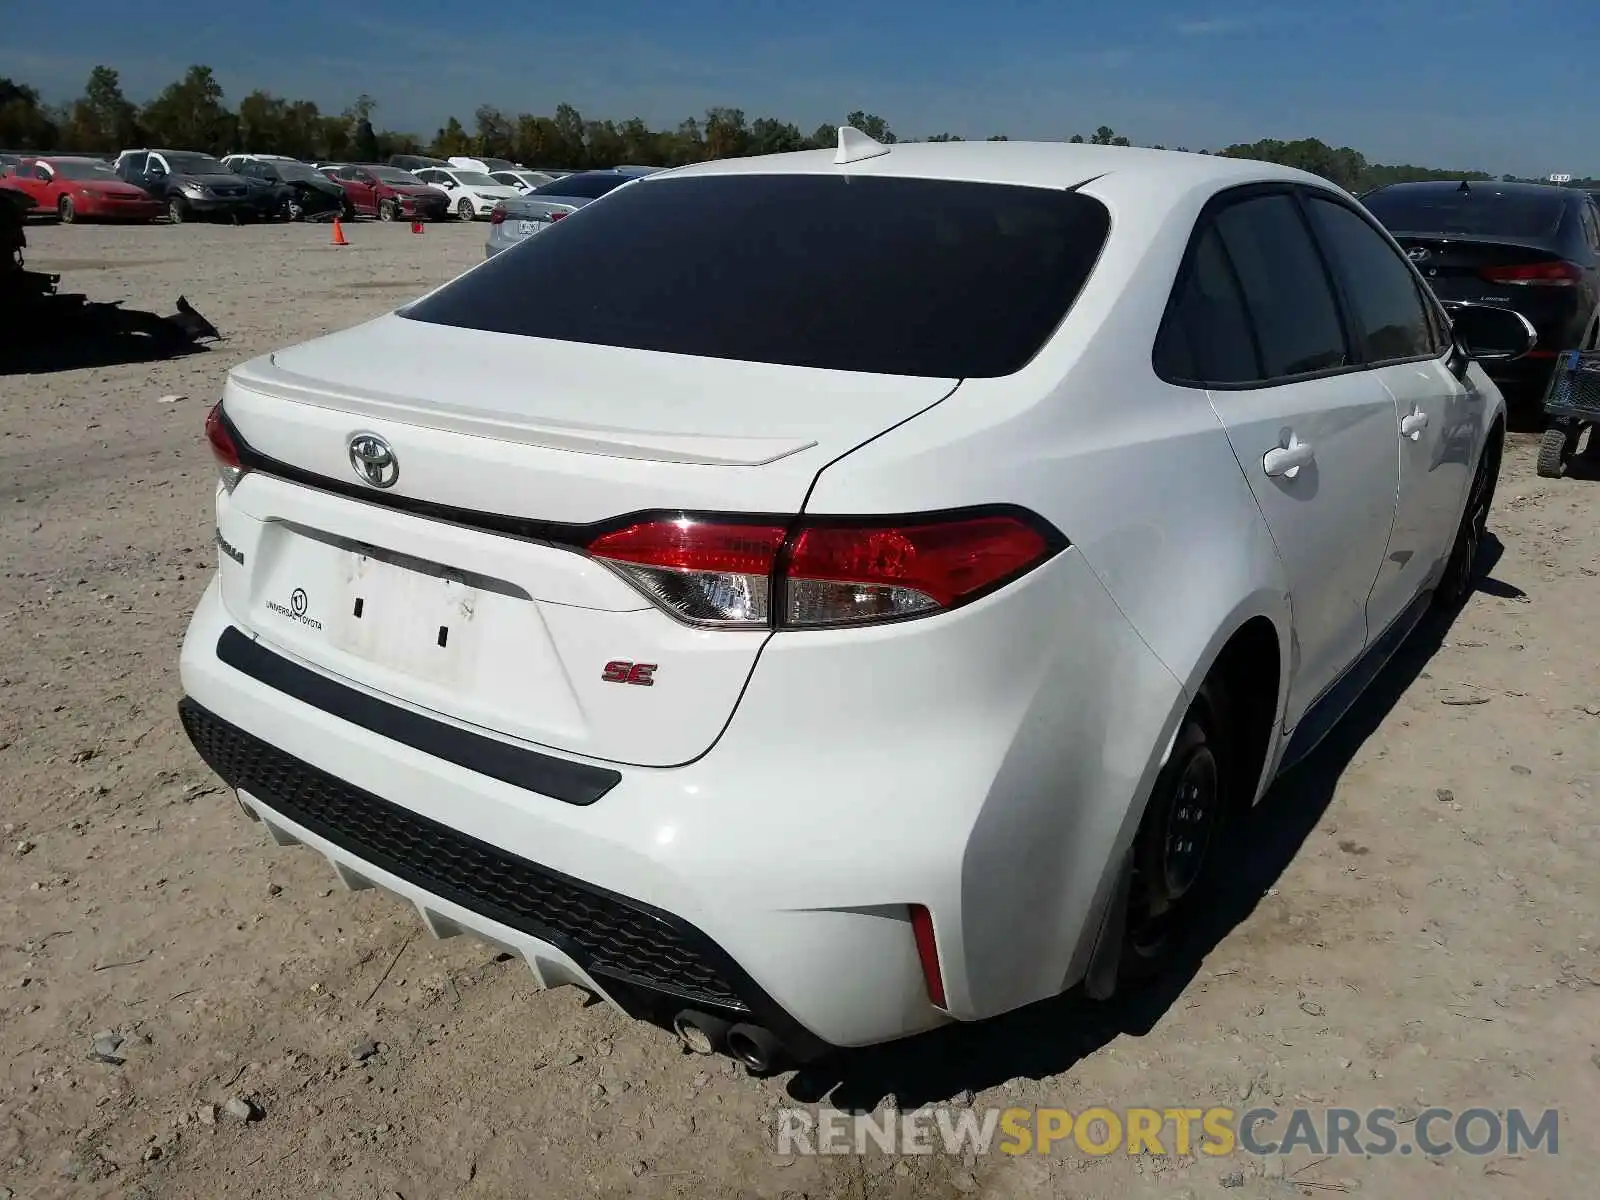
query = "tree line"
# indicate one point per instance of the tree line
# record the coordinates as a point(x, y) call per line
point(190, 113)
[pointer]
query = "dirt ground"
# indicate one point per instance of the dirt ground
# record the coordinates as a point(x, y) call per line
point(1416, 920)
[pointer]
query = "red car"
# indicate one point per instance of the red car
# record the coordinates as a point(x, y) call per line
point(81, 189)
point(388, 193)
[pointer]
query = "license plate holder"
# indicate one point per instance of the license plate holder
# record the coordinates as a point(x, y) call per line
point(418, 625)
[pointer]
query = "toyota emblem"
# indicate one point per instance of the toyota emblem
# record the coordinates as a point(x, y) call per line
point(374, 460)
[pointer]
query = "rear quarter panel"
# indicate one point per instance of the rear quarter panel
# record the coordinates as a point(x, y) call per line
point(1140, 476)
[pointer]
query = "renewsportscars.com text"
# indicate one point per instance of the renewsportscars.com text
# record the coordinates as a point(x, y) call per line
point(1182, 1131)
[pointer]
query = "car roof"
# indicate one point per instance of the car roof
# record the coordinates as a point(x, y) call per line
point(1121, 169)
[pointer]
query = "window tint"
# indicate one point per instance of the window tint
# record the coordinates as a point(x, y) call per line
point(1483, 208)
point(589, 187)
point(1380, 286)
point(1285, 286)
point(881, 274)
point(1206, 336)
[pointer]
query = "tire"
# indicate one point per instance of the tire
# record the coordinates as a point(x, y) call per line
point(66, 210)
point(1177, 848)
point(388, 210)
point(177, 210)
point(1554, 449)
point(464, 209)
point(1460, 570)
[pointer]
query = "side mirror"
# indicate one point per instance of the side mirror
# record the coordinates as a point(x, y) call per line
point(1488, 333)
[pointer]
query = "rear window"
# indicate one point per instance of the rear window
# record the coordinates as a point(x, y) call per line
point(1480, 210)
point(583, 187)
point(891, 276)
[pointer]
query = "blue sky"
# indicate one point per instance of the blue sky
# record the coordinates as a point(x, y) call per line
point(1501, 85)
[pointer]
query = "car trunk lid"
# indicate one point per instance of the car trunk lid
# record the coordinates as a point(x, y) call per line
point(460, 587)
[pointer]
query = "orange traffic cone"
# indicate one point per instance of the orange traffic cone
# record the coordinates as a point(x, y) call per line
point(416, 225)
point(338, 233)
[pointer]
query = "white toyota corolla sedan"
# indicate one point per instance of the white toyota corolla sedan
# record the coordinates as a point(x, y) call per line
point(809, 599)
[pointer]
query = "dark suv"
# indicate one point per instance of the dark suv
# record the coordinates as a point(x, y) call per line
point(191, 184)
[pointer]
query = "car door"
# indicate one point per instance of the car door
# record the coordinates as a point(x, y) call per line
point(33, 180)
point(363, 188)
point(1437, 417)
point(1314, 435)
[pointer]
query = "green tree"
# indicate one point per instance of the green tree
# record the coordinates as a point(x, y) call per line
point(190, 115)
point(25, 123)
point(825, 137)
point(871, 124)
point(769, 136)
point(496, 132)
point(451, 141)
point(102, 119)
point(726, 134)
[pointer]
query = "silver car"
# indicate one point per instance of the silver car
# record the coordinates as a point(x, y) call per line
point(515, 220)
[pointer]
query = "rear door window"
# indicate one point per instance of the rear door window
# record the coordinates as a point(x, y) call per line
point(892, 276)
point(1285, 285)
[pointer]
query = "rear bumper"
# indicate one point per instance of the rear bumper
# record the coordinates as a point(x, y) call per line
point(992, 782)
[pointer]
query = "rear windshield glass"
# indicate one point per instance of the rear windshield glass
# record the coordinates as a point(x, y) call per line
point(1483, 210)
point(885, 275)
point(588, 187)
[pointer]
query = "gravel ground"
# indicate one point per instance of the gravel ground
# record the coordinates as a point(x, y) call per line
point(1416, 921)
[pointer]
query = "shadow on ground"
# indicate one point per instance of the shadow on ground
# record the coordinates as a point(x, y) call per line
point(66, 332)
point(1049, 1038)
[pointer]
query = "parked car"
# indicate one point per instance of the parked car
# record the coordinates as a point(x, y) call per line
point(232, 161)
point(472, 194)
point(513, 219)
point(189, 184)
point(1525, 246)
point(484, 166)
point(387, 193)
point(302, 191)
point(412, 162)
point(81, 189)
point(757, 600)
point(522, 179)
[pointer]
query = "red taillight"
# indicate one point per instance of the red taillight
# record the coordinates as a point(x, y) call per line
point(229, 467)
point(558, 214)
point(708, 572)
point(822, 573)
point(1547, 274)
point(837, 575)
point(928, 953)
point(497, 214)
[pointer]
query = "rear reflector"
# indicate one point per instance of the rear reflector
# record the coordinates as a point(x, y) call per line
point(497, 214)
point(928, 953)
point(823, 573)
point(229, 469)
point(1546, 274)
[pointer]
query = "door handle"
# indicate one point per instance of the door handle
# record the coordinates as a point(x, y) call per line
point(1413, 423)
point(1285, 461)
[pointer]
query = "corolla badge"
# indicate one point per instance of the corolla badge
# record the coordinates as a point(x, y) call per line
point(1419, 254)
point(374, 460)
